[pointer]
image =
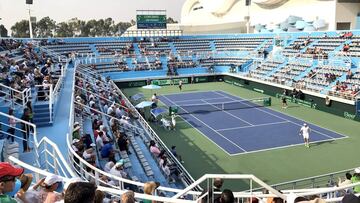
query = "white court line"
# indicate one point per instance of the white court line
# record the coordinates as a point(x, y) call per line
point(212, 130)
point(230, 114)
point(285, 146)
point(332, 138)
point(187, 100)
point(242, 127)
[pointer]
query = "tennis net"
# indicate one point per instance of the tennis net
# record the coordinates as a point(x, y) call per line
point(224, 106)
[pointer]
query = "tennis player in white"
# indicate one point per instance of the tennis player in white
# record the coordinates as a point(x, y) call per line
point(305, 131)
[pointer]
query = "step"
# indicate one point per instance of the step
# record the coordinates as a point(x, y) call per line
point(45, 105)
point(42, 114)
point(43, 110)
point(39, 120)
point(42, 124)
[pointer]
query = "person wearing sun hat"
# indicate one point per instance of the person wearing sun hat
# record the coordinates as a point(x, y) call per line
point(8, 174)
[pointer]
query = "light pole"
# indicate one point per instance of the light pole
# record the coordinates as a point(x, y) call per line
point(30, 25)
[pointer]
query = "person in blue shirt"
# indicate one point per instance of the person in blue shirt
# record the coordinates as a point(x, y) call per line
point(106, 150)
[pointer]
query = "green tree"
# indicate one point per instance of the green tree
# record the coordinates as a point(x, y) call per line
point(120, 28)
point(171, 20)
point(64, 30)
point(107, 27)
point(45, 27)
point(3, 31)
point(91, 28)
point(132, 22)
point(77, 26)
point(21, 29)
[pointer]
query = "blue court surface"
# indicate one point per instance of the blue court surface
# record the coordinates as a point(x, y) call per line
point(243, 130)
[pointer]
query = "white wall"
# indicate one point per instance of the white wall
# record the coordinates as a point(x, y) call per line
point(347, 12)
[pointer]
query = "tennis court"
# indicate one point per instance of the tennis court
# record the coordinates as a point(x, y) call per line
point(244, 126)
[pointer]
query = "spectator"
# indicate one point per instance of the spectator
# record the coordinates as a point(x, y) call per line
point(50, 190)
point(149, 189)
point(26, 130)
point(346, 47)
point(123, 143)
point(350, 198)
point(80, 192)
point(109, 165)
point(89, 154)
point(349, 74)
point(106, 150)
point(174, 152)
point(128, 197)
point(355, 179)
point(227, 197)
point(345, 182)
point(118, 171)
point(209, 195)
point(8, 173)
point(99, 196)
point(12, 125)
point(154, 149)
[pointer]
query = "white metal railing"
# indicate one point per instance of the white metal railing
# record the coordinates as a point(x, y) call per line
point(15, 97)
point(50, 92)
point(46, 153)
point(289, 195)
point(39, 173)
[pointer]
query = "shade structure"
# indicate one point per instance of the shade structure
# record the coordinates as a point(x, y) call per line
point(292, 19)
point(320, 23)
point(144, 104)
point(158, 111)
point(300, 24)
point(151, 87)
point(284, 26)
point(309, 29)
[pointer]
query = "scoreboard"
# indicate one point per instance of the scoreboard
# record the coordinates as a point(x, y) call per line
point(151, 20)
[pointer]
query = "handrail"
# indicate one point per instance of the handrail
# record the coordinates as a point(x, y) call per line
point(58, 152)
point(115, 192)
point(25, 95)
point(230, 176)
point(29, 124)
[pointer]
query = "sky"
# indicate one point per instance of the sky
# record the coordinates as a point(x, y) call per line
point(12, 11)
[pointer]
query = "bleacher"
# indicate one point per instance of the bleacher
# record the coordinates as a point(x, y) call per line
point(288, 73)
point(321, 77)
point(142, 166)
point(264, 69)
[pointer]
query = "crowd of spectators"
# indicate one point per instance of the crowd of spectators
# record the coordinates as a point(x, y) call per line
point(31, 67)
point(9, 44)
point(343, 87)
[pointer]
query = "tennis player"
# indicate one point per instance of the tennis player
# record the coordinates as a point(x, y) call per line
point(305, 131)
point(284, 102)
point(180, 84)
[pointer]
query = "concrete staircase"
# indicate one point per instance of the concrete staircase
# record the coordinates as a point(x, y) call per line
point(42, 114)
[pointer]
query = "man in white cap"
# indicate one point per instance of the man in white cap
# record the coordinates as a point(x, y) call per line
point(49, 189)
point(305, 132)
